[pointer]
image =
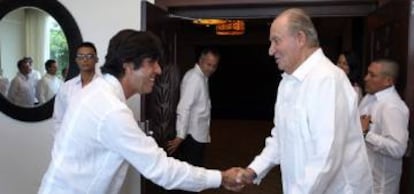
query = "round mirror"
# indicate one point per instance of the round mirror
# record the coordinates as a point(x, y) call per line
point(31, 69)
point(37, 45)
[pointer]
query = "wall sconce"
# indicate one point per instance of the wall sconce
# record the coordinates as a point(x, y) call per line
point(231, 28)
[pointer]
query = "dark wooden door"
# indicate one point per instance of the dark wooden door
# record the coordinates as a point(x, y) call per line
point(158, 108)
point(388, 35)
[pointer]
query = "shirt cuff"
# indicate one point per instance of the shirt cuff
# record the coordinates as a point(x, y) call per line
point(214, 178)
point(259, 168)
point(181, 135)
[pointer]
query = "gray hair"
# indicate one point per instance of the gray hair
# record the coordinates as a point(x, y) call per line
point(389, 68)
point(299, 20)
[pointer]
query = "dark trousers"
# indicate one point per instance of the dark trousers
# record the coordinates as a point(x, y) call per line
point(192, 152)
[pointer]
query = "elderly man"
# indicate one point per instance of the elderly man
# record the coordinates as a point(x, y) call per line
point(316, 138)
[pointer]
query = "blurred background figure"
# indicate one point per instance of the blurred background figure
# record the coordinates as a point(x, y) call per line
point(48, 86)
point(350, 63)
point(384, 120)
point(34, 76)
point(4, 83)
point(21, 91)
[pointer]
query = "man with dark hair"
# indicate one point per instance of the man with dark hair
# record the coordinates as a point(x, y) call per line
point(86, 59)
point(48, 86)
point(193, 111)
point(21, 91)
point(384, 119)
point(100, 138)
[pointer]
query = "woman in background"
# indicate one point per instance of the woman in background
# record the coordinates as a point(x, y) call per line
point(349, 63)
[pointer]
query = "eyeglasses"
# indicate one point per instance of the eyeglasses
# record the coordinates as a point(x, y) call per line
point(85, 56)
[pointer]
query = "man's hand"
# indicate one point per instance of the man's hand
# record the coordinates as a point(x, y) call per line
point(365, 121)
point(173, 145)
point(231, 179)
point(246, 176)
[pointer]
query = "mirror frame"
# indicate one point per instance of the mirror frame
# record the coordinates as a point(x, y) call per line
point(74, 38)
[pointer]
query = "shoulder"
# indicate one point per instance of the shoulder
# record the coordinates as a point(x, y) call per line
point(193, 75)
point(394, 101)
point(71, 82)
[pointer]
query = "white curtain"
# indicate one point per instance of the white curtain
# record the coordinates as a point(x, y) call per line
point(37, 37)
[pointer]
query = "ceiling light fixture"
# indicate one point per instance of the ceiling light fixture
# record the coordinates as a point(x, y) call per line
point(231, 28)
point(209, 22)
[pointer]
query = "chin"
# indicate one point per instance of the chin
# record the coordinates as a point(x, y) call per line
point(147, 91)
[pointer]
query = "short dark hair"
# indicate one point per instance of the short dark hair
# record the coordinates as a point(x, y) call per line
point(130, 46)
point(27, 60)
point(20, 63)
point(49, 63)
point(389, 68)
point(87, 45)
point(211, 50)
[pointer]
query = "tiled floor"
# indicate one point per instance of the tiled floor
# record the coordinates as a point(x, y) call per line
point(236, 143)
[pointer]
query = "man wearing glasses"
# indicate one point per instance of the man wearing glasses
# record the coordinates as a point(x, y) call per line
point(86, 58)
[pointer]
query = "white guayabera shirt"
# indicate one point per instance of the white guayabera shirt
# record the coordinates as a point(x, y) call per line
point(47, 87)
point(98, 140)
point(69, 89)
point(317, 138)
point(193, 110)
point(387, 138)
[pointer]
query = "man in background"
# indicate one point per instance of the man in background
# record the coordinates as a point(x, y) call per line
point(193, 110)
point(49, 85)
point(21, 91)
point(86, 59)
point(384, 119)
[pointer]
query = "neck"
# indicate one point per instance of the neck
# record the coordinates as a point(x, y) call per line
point(302, 58)
point(125, 87)
point(86, 77)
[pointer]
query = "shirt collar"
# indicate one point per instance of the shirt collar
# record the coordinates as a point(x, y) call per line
point(25, 77)
point(79, 81)
point(303, 70)
point(115, 85)
point(198, 70)
point(384, 93)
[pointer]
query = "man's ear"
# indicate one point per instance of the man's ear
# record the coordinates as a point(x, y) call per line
point(389, 81)
point(128, 66)
point(301, 38)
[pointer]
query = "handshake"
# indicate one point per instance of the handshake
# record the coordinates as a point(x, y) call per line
point(234, 179)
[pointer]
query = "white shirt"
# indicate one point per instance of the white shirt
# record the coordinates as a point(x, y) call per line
point(317, 137)
point(64, 95)
point(193, 110)
point(4, 85)
point(99, 137)
point(358, 91)
point(21, 91)
point(34, 77)
point(47, 87)
point(387, 137)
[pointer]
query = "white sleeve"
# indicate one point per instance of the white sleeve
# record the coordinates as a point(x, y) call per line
point(326, 142)
point(268, 158)
point(190, 90)
point(41, 91)
point(59, 107)
point(120, 133)
point(393, 140)
point(13, 90)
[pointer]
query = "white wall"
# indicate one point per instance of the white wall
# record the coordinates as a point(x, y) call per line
point(25, 147)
